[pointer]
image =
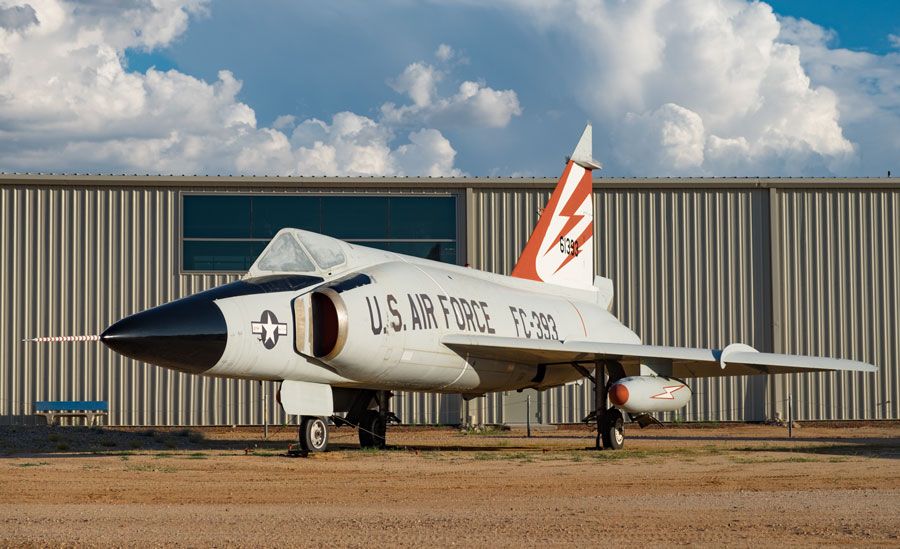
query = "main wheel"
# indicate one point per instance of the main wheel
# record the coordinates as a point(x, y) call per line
point(613, 429)
point(372, 429)
point(313, 434)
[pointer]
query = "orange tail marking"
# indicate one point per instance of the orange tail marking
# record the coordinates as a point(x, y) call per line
point(526, 267)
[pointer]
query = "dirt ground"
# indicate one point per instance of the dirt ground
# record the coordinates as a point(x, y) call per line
point(736, 485)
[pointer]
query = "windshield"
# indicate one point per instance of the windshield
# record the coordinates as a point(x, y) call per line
point(325, 251)
point(284, 254)
point(296, 251)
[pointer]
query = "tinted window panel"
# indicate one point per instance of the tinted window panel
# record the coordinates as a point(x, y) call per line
point(346, 217)
point(200, 255)
point(423, 217)
point(273, 213)
point(437, 251)
point(216, 216)
point(355, 216)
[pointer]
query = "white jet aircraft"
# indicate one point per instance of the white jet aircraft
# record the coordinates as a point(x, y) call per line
point(342, 325)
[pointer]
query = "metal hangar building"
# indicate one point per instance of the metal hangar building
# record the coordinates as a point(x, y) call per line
point(808, 266)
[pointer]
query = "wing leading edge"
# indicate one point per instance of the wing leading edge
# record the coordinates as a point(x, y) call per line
point(735, 360)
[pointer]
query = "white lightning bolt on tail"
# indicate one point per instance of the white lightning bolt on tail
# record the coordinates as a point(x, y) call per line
point(561, 248)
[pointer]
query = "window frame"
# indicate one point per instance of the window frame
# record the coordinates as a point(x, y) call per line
point(459, 218)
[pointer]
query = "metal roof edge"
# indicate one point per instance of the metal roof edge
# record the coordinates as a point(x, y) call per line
point(318, 182)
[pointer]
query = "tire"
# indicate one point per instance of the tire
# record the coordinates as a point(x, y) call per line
point(372, 430)
point(613, 430)
point(314, 434)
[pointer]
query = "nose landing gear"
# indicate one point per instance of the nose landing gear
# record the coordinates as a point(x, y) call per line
point(313, 435)
point(372, 424)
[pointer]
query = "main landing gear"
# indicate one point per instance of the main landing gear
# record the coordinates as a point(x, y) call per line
point(372, 429)
point(373, 423)
point(610, 421)
point(612, 429)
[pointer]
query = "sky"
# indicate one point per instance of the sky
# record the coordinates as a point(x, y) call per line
point(450, 87)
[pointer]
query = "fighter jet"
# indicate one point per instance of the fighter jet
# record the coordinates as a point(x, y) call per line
point(341, 326)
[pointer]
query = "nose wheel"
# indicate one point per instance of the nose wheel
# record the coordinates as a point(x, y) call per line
point(313, 434)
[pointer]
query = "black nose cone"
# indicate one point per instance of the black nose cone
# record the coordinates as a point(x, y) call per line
point(188, 334)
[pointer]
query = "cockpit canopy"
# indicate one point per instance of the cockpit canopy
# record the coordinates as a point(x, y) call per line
point(297, 251)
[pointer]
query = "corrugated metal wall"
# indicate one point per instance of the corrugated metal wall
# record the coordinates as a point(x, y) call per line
point(690, 268)
point(839, 282)
point(807, 271)
point(75, 259)
point(703, 268)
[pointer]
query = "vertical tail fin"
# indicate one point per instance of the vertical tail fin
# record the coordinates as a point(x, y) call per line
point(561, 248)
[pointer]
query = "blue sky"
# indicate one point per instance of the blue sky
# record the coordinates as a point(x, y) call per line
point(673, 88)
point(293, 37)
point(862, 26)
point(285, 70)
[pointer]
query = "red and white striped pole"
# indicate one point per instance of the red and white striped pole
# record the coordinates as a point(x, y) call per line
point(59, 339)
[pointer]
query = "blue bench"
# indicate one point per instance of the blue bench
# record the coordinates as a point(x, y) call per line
point(90, 410)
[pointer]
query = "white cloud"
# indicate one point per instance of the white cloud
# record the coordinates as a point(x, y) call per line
point(713, 87)
point(17, 17)
point(284, 121)
point(67, 103)
point(679, 87)
point(473, 104)
point(357, 143)
point(669, 138)
point(894, 40)
point(428, 153)
point(867, 90)
point(444, 53)
point(361, 146)
point(419, 82)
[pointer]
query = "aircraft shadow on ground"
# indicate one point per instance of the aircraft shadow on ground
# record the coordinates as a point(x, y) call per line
point(45, 441)
point(885, 448)
point(71, 441)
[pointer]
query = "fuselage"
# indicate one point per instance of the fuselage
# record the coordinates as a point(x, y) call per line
point(361, 317)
